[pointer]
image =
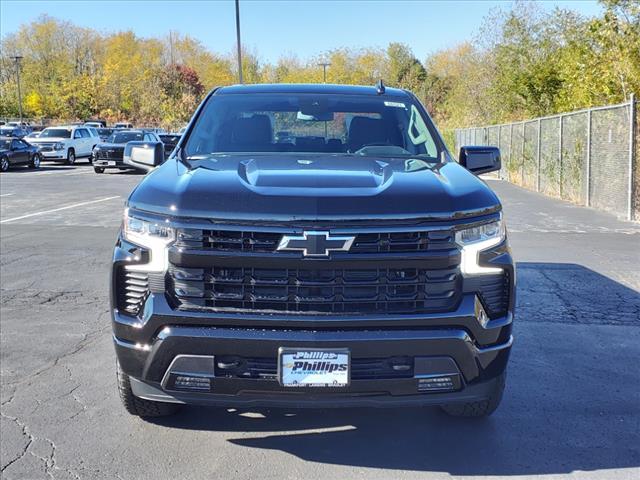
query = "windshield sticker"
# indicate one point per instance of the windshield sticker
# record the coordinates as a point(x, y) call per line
point(395, 104)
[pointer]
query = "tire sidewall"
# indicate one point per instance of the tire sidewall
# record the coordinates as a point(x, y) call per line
point(4, 164)
point(35, 161)
point(71, 156)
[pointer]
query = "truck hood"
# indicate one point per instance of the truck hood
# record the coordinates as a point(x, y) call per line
point(48, 140)
point(313, 188)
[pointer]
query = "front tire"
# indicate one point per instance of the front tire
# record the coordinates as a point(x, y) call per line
point(71, 157)
point(4, 164)
point(98, 169)
point(138, 406)
point(480, 408)
point(35, 161)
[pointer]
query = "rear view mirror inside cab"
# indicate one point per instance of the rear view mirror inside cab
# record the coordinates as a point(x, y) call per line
point(316, 117)
point(315, 110)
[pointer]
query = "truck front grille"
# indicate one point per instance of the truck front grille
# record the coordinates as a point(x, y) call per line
point(45, 147)
point(317, 291)
point(267, 242)
point(110, 153)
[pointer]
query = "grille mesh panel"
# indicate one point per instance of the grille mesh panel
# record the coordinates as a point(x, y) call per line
point(361, 368)
point(327, 291)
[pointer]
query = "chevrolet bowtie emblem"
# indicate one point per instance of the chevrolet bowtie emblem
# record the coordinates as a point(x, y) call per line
point(315, 244)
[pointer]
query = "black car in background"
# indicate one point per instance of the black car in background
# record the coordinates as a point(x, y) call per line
point(110, 153)
point(14, 151)
point(104, 133)
point(170, 140)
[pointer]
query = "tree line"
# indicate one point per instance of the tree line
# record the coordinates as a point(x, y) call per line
point(523, 62)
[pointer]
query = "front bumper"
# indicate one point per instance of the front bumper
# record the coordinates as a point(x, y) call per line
point(53, 154)
point(109, 163)
point(477, 347)
point(455, 338)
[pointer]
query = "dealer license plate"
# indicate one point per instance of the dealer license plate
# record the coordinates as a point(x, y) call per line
point(314, 368)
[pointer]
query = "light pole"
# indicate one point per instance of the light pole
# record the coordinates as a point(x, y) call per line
point(324, 66)
point(17, 59)
point(238, 41)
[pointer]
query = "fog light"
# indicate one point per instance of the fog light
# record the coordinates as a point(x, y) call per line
point(191, 373)
point(192, 383)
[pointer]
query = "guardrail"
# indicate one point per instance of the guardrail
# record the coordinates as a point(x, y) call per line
point(589, 157)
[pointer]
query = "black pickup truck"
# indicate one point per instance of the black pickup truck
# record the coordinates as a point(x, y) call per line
point(351, 262)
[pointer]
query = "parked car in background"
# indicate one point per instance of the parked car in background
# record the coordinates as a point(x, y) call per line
point(121, 125)
point(66, 143)
point(170, 140)
point(96, 123)
point(32, 135)
point(110, 153)
point(104, 133)
point(15, 151)
point(12, 131)
point(157, 131)
point(24, 125)
point(94, 132)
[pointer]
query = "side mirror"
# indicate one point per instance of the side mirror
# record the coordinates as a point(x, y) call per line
point(144, 155)
point(480, 160)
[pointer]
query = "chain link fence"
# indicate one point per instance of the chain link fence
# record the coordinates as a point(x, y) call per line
point(589, 157)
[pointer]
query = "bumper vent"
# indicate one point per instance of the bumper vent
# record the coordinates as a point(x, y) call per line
point(134, 291)
point(494, 294)
point(322, 291)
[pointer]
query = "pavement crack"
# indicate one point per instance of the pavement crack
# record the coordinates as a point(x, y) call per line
point(26, 433)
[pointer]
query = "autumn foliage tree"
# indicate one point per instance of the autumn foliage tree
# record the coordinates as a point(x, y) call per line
point(523, 62)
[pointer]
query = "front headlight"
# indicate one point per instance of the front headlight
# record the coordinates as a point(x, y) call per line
point(58, 146)
point(477, 239)
point(156, 236)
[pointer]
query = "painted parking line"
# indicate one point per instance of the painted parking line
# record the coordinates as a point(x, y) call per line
point(84, 172)
point(6, 194)
point(30, 174)
point(56, 171)
point(44, 212)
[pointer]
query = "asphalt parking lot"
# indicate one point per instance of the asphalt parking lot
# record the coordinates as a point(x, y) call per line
point(572, 405)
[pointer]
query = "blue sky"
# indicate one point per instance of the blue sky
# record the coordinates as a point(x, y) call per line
point(274, 28)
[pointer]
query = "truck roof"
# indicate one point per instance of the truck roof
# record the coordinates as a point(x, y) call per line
point(310, 88)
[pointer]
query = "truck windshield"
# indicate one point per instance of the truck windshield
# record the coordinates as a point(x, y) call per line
point(380, 126)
